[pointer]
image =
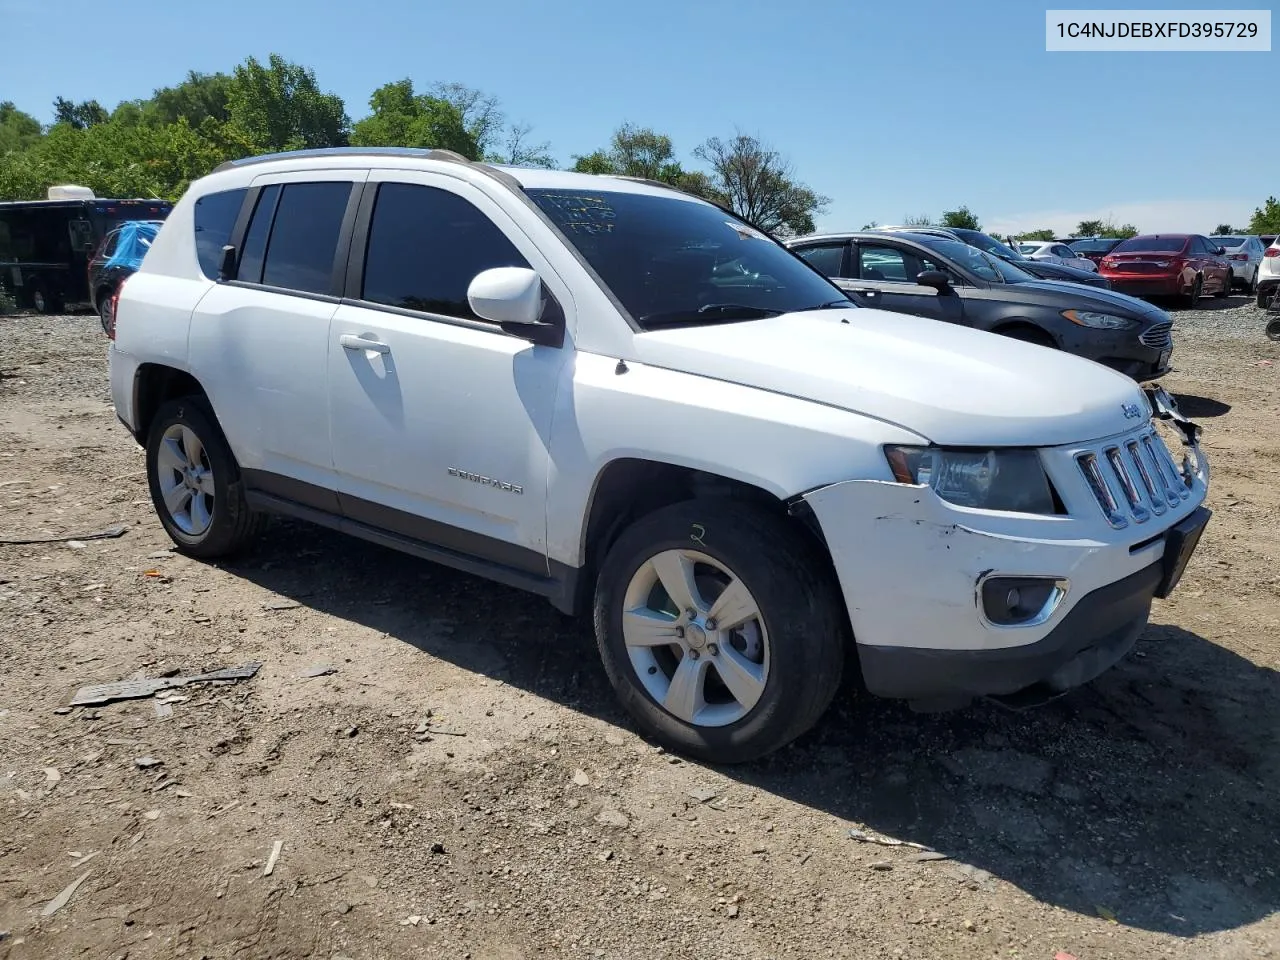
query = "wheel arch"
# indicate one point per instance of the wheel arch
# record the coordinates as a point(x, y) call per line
point(629, 488)
point(1013, 326)
point(154, 384)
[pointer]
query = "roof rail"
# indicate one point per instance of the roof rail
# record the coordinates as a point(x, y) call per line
point(420, 153)
point(647, 181)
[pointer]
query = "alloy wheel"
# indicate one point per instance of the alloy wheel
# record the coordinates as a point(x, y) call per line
point(696, 638)
point(186, 480)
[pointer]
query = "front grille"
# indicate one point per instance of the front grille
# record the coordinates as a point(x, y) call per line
point(1157, 336)
point(1133, 480)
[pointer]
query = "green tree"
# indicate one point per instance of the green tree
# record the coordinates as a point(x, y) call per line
point(871, 226)
point(1105, 228)
point(962, 218)
point(755, 182)
point(1266, 219)
point(1222, 230)
point(280, 106)
point(1089, 228)
point(199, 97)
point(920, 220)
point(644, 153)
point(79, 115)
point(18, 130)
point(403, 118)
point(1045, 234)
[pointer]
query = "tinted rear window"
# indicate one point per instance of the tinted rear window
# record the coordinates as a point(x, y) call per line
point(304, 236)
point(215, 217)
point(1153, 244)
point(1091, 246)
point(1227, 241)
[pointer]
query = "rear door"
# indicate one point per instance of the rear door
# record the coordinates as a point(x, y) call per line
point(884, 275)
point(265, 334)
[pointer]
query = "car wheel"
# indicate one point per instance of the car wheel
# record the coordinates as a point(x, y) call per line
point(720, 628)
point(41, 301)
point(1263, 296)
point(1193, 298)
point(195, 482)
point(1273, 330)
point(105, 312)
point(1226, 287)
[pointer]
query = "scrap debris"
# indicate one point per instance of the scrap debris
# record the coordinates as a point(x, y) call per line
point(863, 836)
point(102, 693)
point(271, 860)
point(110, 533)
point(62, 899)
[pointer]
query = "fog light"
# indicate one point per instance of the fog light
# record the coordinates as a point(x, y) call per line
point(1020, 601)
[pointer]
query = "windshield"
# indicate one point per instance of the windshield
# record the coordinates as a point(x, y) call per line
point(976, 262)
point(1152, 244)
point(1227, 241)
point(672, 261)
point(1092, 246)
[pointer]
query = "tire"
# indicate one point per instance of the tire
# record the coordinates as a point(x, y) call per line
point(793, 645)
point(1193, 298)
point(41, 301)
point(104, 311)
point(1263, 297)
point(1226, 287)
point(217, 520)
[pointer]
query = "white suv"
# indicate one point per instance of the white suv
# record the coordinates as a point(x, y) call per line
point(630, 401)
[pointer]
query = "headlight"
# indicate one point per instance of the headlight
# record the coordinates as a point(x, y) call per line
point(1009, 480)
point(1099, 321)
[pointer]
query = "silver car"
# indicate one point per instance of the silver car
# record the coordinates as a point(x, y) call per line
point(1054, 252)
point(1245, 256)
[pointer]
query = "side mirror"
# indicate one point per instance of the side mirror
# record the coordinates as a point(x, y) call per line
point(934, 278)
point(1221, 251)
point(513, 298)
point(227, 266)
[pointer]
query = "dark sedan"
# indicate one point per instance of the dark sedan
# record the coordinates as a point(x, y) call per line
point(948, 280)
point(989, 244)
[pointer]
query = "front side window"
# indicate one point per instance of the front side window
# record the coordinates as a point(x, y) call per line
point(304, 236)
point(978, 263)
point(672, 261)
point(426, 245)
point(886, 263)
point(215, 218)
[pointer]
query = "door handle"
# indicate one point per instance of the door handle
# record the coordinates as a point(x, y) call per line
point(350, 341)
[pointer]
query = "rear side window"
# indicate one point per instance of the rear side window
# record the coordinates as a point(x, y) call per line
point(215, 217)
point(255, 238)
point(304, 236)
point(426, 246)
point(827, 259)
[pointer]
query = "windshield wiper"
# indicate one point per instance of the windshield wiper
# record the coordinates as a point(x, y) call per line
point(709, 313)
point(833, 305)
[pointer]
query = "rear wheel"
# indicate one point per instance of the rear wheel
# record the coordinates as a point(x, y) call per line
point(195, 482)
point(1263, 297)
point(1197, 287)
point(720, 629)
point(105, 311)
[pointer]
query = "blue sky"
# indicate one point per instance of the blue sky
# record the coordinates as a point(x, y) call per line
point(890, 109)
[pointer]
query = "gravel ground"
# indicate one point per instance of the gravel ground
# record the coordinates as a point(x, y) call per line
point(464, 786)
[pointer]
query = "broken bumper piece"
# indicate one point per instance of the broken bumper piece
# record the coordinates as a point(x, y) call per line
point(912, 568)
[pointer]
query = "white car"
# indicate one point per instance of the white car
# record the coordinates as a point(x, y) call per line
point(629, 401)
point(1244, 253)
point(1054, 252)
point(1268, 279)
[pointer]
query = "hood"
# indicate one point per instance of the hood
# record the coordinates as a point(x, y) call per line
point(1069, 295)
point(950, 384)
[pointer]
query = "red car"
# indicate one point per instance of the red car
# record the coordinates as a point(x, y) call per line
point(1168, 265)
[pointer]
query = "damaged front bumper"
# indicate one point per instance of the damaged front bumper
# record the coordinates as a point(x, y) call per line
point(912, 567)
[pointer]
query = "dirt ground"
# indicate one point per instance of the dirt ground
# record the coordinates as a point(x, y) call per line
point(464, 786)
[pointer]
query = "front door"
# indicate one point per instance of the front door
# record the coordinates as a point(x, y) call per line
point(886, 278)
point(441, 421)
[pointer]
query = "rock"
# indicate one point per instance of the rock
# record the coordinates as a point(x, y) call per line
point(929, 855)
point(611, 817)
point(733, 910)
point(281, 605)
point(884, 866)
point(146, 763)
point(971, 926)
point(77, 545)
point(344, 907)
point(437, 847)
point(605, 857)
point(1001, 768)
point(350, 732)
point(319, 670)
point(703, 795)
point(968, 873)
point(51, 775)
point(580, 778)
point(370, 882)
point(62, 711)
point(151, 815)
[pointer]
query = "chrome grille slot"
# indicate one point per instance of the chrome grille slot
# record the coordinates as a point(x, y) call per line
point(1092, 470)
point(1155, 496)
point(1163, 463)
point(1158, 336)
point(1137, 510)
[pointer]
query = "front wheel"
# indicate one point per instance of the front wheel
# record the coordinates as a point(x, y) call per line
point(720, 629)
point(1197, 287)
point(105, 312)
point(195, 482)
